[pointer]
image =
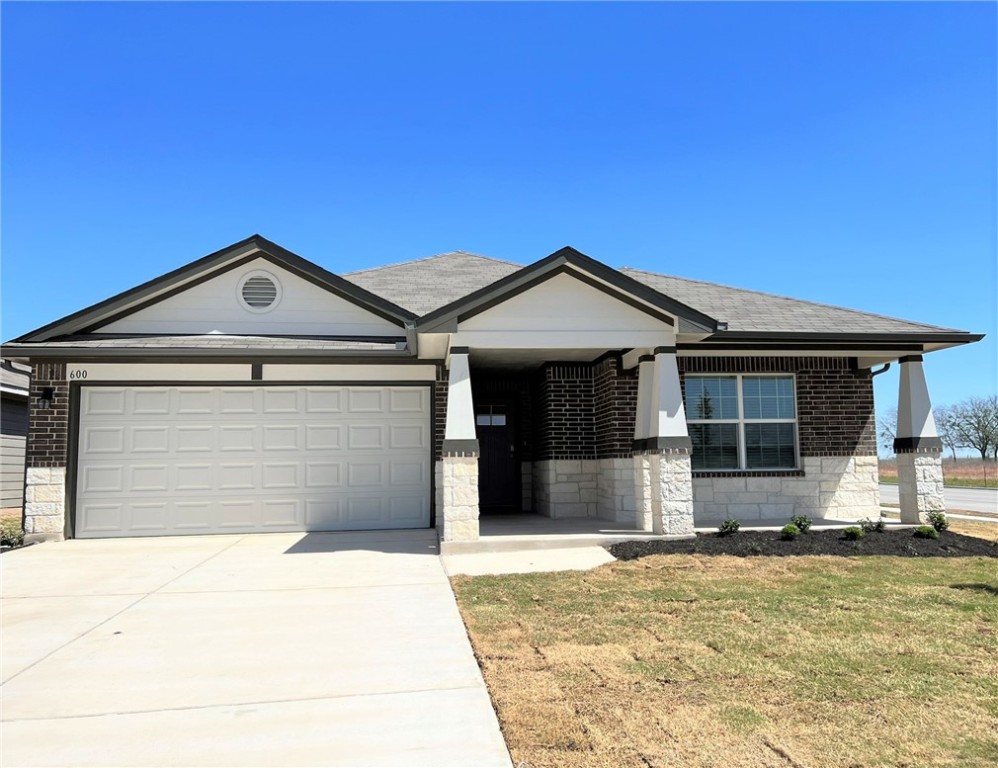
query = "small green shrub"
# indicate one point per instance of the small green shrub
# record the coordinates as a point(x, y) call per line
point(938, 521)
point(853, 533)
point(728, 527)
point(11, 534)
point(801, 522)
point(926, 532)
point(790, 532)
point(873, 526)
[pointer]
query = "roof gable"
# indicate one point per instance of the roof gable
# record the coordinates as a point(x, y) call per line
point(215, 305)
point(213, 265)
point(582, 267)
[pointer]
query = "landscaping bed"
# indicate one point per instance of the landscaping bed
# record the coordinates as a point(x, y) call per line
point(898, 543)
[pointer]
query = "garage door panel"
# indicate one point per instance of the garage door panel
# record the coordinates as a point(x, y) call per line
point(323, 437)
point(104, 440)
point(243, 459)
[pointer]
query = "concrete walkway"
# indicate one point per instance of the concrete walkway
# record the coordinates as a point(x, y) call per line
point(275, 650)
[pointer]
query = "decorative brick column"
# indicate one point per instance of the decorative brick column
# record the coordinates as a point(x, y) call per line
point(918, 447)
point(45, 455)
point(663, 478)
point(457, 510)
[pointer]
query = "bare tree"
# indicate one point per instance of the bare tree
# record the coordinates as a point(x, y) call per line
point(886, 428)
point(946, 427)
point(976, 423)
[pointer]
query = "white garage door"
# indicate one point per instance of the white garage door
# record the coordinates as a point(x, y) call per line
point(156, 461)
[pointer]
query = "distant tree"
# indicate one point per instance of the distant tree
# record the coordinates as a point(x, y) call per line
point(976, 423)
point(946, 427)
point(886, 428)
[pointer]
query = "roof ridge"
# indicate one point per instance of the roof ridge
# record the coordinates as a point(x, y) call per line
point(792, 298)
point(429, 258)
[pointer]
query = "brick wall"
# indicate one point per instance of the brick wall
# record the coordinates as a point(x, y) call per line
point(440, 412)
point(565, 426)
point(49, 431)
point(615, 402)
point(834, 405)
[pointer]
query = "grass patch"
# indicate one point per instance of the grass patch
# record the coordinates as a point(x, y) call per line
point(689, 660)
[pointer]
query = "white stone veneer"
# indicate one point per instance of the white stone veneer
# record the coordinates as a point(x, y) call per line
point(920, 486)
point(615, 490)
point(457, 498)
point(836, 487)
point(566, 487)
point(45, 504)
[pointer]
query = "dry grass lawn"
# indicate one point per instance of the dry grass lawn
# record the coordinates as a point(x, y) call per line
point(691, 660)
point(964, 472)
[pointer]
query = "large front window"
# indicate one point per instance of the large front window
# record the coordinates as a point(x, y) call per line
point(742, 422)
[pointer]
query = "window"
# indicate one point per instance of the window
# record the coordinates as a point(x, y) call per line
point(742, 422)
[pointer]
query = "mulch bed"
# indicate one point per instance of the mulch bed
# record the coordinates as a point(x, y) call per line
point(898, 543)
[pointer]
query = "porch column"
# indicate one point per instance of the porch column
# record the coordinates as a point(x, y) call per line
point(917, 447)
point(665, 489)
point(458, 478)
point(642, 431)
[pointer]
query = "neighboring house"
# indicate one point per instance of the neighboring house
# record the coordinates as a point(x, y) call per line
point(13, 432)
point(255, 391)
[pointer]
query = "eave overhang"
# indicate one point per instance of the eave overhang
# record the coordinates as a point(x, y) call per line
point(577, 264)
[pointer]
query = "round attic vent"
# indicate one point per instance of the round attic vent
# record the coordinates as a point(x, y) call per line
point(259, 291)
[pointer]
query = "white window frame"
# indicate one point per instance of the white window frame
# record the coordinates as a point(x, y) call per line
point(741, 421)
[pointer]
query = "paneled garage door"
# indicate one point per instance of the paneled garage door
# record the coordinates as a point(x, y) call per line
point(157, 461)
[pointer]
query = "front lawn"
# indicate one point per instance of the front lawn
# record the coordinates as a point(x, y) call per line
point(699, 660)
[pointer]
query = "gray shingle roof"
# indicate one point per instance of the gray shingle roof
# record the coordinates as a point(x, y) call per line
point(424, 285)
point(427, 284)
point(746, 310)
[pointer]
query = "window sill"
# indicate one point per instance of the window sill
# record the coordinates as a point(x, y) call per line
point(747, 473)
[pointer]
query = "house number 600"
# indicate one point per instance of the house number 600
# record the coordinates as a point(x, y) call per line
point(78, 374)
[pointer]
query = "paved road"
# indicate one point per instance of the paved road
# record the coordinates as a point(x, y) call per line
point(970, 499)
point(268, 649)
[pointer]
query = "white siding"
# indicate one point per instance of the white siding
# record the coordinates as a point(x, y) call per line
point(563, 303)
point(214, 305)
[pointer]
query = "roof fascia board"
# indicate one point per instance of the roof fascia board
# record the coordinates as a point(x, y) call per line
point(175, 354)
point(205, 268)
point(753, 337)
point(580, 266)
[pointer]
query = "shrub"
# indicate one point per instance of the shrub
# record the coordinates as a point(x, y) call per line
point(938, 521)
point(926, 532)
point(853, 533)
point(11, 534)
point(790, 532)
point(801, 522)
point(728, 527)
point(873, 526)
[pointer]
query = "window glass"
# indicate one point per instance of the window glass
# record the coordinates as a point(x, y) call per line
point(770, 446)
point(483, 419)
point(715, 446)
point(768, 397)
point(712, 397)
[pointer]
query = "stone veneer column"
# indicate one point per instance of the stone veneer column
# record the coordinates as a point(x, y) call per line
point(45, 456)
point(663, 490)
point(457, 512)
point(918, 447)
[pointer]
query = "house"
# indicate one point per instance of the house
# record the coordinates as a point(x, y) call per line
point(13, 433)
point(252, 390)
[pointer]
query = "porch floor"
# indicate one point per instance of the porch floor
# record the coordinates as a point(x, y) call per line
point(531, 531)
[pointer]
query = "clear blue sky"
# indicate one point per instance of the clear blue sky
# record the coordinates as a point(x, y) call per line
point(844, 152)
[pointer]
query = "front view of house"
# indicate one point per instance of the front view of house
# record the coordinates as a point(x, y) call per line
point(253, 391)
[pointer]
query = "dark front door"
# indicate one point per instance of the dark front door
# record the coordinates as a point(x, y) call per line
point(498, 469)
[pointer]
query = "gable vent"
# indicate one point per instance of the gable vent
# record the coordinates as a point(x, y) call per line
point(259, 292)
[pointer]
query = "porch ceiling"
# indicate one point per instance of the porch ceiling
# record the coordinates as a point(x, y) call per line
point(531, 358)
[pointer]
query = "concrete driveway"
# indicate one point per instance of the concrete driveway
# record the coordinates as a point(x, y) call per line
point(262, 650)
